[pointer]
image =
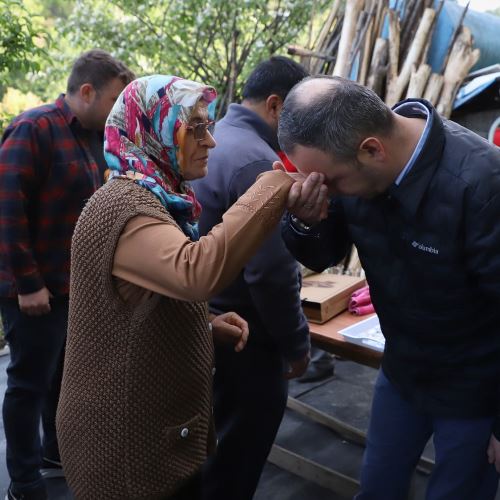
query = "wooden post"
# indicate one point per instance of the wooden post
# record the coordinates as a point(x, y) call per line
point(462, 58)
point(378, 66)
point(394, 37)
point(397, 87)
point(433, 89)
point(320, 41)
point(454, 37)
point(296, 50)
point(418, 81)
point(367, 53)
point(347, 37)
point(382, 9)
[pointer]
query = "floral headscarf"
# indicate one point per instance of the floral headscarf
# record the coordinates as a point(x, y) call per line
point(140, 140)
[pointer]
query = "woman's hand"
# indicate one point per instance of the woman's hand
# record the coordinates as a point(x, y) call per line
point(230, 328)
point(308, 196)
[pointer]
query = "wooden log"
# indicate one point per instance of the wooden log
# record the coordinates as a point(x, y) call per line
point(462, 58)
point(358, 37)
point(382, 9)
point(409, 27)
point(378, 67)
point(347, 37)
point(322, 37)
point(332, 49)
point(296, 50)
point(433, 89)
point(453, 38)
point(423, 59)
point(418, 81)
point(366, 53)
point(363, 44)
point(394, 37)
point(361, 28)
point(398, 86)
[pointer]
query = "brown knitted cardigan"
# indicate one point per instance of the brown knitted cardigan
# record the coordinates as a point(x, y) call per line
point(135, 409)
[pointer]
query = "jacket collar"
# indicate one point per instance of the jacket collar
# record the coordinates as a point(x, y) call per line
point(242, 117)
point(63, 107)
point(414, 185)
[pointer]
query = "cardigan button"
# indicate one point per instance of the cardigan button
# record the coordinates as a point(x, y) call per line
point(185, 432)
point(213, 371)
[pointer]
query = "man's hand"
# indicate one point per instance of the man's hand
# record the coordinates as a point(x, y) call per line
point(35, 304)
point(308, 196)
point(494, 452)
point(297, 368)
point(230, 328)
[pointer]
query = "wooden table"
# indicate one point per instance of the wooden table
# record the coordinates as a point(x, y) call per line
point(328, 338)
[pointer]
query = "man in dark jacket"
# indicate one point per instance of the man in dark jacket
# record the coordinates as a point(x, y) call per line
point(250, 388)
point(419, 196)
point(51, 162)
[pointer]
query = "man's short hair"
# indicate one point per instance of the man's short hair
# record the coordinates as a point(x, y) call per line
point(334, 119)
point(276, 75)
point(98, 68)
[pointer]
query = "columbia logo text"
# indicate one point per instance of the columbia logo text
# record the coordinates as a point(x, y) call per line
point(423, 248)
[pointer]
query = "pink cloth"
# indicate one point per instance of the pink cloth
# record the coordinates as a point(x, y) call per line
point(362, 310)
point(360, 302)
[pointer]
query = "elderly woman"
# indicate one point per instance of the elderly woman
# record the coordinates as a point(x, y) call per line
point(135, 414)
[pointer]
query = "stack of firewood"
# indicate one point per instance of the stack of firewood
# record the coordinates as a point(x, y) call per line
point(386, 50)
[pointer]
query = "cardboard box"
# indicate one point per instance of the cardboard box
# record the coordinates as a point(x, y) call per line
point(326, 295)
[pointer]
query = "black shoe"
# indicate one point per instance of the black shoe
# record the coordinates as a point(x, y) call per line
point(315, 374)
point(51, 468)
point(37, 493)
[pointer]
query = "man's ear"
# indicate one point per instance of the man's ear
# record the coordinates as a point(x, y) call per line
point(274, 103)
point(87, 92)
point(371, 149)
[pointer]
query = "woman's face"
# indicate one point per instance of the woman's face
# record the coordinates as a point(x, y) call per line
point(192, 154)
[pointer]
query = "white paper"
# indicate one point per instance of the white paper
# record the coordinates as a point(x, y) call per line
point(366, 332)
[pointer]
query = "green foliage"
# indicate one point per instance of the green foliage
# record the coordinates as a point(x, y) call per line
point(21, 43)
point(214, 41)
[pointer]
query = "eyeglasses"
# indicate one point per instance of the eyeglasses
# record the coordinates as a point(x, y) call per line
point(200, 129)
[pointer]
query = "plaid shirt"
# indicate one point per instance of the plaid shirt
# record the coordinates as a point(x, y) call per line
point(47, 173)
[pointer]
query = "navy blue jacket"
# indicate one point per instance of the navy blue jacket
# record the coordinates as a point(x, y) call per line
point(267, 291)
point(431, 251)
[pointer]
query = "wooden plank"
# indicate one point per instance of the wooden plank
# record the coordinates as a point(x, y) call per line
point(313, 471)
point(328, 338)
point(345, 430)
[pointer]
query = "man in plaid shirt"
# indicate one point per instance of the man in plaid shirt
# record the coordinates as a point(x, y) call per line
point(51, 162)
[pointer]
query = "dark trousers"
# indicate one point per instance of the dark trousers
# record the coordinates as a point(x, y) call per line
point(250, 395)
point(33, 383)
point(396, 437)
point(191, 490)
